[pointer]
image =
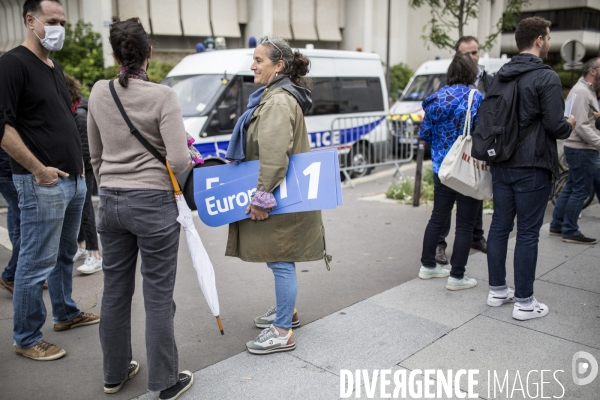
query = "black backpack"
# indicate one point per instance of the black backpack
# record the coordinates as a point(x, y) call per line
point(497, 134)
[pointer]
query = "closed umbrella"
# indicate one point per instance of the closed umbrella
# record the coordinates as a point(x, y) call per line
point(200, 260)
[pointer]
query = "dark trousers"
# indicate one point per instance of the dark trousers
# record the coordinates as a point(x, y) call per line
point(522, 193)
point(597, 183)
point(466, 213)
point(583, 164)
point(130, 221)
point(87, 231)
point(477, 229)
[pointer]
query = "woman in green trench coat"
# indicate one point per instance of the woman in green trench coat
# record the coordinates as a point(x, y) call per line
point(271, 131)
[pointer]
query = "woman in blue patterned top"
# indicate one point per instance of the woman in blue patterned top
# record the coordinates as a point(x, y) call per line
point(445, 114)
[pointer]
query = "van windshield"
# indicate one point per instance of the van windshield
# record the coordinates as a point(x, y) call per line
point(423, 86)
point(195, 92)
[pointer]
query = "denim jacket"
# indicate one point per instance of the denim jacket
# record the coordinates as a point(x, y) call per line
point(445, 113)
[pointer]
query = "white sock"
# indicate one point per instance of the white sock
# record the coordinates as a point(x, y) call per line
point(525, 303)
point(501, 292)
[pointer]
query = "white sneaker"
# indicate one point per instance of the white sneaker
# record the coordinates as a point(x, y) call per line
point(437, 272)
point(496, 300)
point(535, 310)
point(81, 254)
point(90, 265)
point(459, 284)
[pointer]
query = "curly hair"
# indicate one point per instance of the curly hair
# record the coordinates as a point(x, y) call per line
point(130, 45)
point(74, 87)
point(296, 64)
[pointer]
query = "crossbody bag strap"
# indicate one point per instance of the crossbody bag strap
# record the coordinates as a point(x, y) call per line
point(132, 128)
point(467, 127)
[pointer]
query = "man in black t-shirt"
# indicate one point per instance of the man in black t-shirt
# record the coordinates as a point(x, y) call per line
point(39, 133)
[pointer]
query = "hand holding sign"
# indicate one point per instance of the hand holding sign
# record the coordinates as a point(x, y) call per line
point(224, 192)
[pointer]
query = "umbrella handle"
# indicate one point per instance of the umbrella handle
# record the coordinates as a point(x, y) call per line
point(220, 325)
point(174, 181)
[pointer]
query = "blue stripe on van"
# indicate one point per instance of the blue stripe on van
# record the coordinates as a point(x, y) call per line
point(318, 140)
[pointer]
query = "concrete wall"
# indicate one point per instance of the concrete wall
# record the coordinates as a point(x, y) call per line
point(361, 23)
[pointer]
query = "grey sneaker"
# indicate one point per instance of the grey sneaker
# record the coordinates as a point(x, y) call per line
point(459, 284)
point(266, 320)
point(437, 272)
point(269, 341)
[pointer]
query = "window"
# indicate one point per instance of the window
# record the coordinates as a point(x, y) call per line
point(360, 95)
point(423, 86)
point(334, 95)
point(567, 19)
point(195, 93)
point(324, 97)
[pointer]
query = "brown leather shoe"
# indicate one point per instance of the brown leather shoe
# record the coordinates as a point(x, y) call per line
point(8, 285)
point(43, 351)
point(82, 320)
point(480, 245)
point(440, 256)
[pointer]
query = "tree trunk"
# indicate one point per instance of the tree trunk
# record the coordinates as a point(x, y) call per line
point(461, 13)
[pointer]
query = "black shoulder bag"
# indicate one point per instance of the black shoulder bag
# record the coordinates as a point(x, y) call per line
point(132, 129)
point(147, 145)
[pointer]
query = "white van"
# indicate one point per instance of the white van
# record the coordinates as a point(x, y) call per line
point(213, 90)
point(428, 78)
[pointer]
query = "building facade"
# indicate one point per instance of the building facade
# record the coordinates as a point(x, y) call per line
point(178, 25)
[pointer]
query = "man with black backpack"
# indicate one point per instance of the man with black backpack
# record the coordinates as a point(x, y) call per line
point(516, 133)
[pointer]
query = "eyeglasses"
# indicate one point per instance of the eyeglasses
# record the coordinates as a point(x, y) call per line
point(265, 40)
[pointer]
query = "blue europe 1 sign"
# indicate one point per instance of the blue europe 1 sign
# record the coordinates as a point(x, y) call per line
point(222, 193)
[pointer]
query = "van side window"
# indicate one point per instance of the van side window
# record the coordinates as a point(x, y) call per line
point(324, 97)
point(360, 95)
point(231, 99)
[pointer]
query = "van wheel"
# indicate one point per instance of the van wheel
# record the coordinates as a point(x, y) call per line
point(188, 177)
point(360, 155)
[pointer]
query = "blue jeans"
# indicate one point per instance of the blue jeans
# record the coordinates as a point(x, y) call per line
point(467, 209)
point(583, 165)
point(520, 192)
point(13, 223)
point(50, 218)
point(286, 290)
point(134, 221)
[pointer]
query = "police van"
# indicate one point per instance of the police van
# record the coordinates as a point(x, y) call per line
point(428, 78)
point(349, 97)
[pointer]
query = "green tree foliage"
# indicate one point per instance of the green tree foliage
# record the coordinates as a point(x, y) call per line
point(81, 55)
point(448, 15)
point(157, 72)
point(400, 74)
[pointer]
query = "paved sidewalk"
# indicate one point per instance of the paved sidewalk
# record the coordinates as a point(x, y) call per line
point(420, 325)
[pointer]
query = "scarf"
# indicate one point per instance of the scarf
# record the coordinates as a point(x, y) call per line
point(237, 143)
point(138, 74)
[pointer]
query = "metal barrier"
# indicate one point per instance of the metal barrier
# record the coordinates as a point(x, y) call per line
point(371, 141)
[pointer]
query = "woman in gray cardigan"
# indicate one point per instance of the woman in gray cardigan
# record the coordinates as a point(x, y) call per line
point(137, 212)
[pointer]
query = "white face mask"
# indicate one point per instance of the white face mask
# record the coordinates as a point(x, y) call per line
point(54, 36)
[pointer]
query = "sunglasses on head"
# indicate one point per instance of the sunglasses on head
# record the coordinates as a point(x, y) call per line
point(265, 39)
